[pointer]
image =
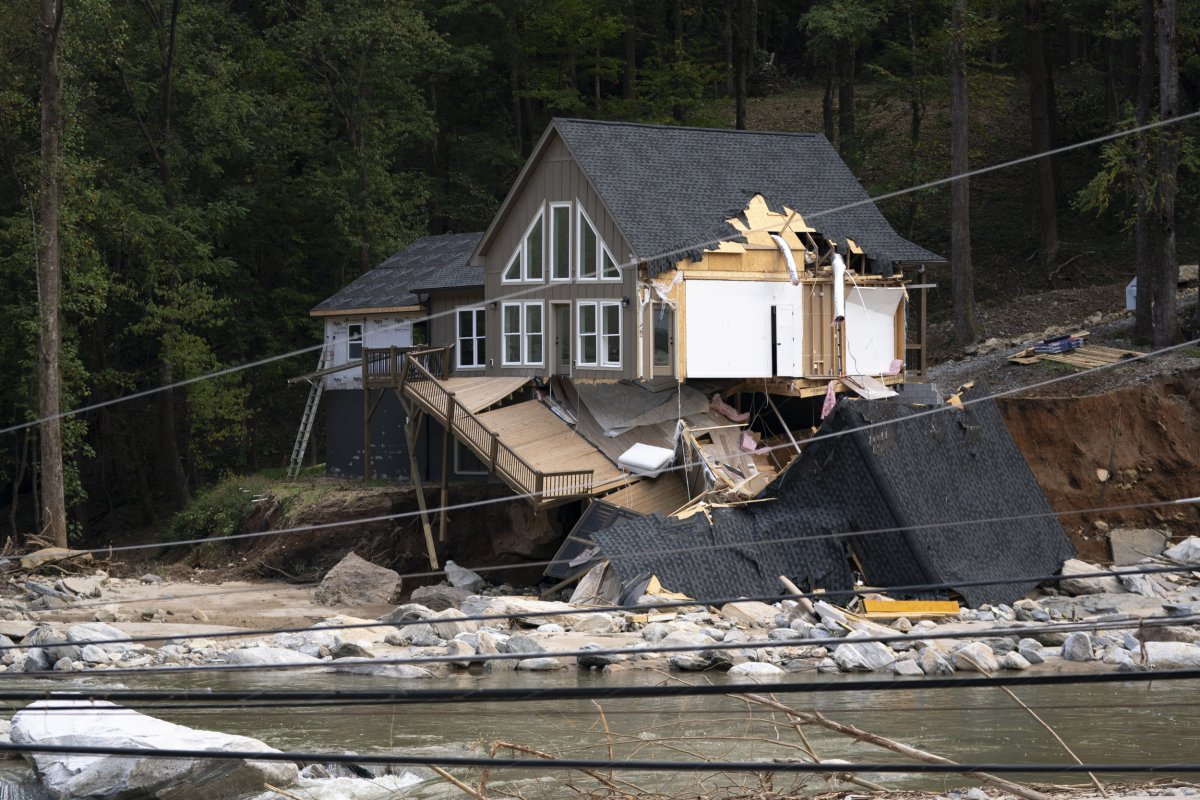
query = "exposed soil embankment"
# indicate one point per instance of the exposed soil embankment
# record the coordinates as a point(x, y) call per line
point(324, 521)
point(1135, 444)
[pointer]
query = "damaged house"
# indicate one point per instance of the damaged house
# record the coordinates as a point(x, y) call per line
point(652, 322)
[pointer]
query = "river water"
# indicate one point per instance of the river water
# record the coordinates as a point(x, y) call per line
point(1115, 723)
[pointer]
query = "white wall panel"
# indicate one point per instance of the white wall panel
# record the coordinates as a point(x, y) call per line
point(729, 327)
point(871, 329)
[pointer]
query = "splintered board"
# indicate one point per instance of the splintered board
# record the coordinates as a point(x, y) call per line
point(910, 609)
point(1084, 357)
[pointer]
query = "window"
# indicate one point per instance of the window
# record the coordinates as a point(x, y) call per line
point(532, 251)
point(595, 260)
point(600, 334)
point(471, 349)
point(522, 331)
point(560, 241)
point(533, 333)
point(588, 242)
point(354, 341)
point(512, 273)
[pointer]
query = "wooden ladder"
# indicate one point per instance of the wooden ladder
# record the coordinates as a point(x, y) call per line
point(317, 387)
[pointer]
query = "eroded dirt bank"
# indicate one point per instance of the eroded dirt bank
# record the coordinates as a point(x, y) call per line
point(1134, 444)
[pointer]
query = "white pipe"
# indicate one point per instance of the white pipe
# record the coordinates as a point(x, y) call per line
point(787, 256)
point(839, 287)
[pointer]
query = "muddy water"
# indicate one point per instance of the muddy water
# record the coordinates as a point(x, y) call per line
point(1121, 723)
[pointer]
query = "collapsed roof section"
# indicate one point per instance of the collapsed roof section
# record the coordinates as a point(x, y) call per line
point(913, 498)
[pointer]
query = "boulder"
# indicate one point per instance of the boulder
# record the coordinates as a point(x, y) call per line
point(1145, 585)
point(440, 597)
point(589, 658)
point(1014, 660)
point(975, 657)
point(1131, 545)
point(935, 662)
point(1186, 552)
point(520, 643)
point(908, 669)
point(355, 582)
point(750, 612)
point(463, 578)
point(755, 669)
point(92, 723)
point(447, 624)
point(85, 586)
point(105, 636)
point(599, 623)
point(262, 655)
point(350, 650)
point(1173, 655)
point(368, 666)
point(863, 656)
point(690, 662)
point(539, 664)
point(52, 642)
point(1078, 647)
point(310, 642)
point(1078, 586)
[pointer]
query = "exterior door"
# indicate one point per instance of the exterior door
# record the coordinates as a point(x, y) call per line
point(662, 343)
point(561, 360)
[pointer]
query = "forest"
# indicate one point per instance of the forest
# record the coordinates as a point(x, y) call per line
point(220, 166)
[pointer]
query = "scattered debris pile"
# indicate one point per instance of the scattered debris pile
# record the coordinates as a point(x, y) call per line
point(929, 498)
point(1070, 349)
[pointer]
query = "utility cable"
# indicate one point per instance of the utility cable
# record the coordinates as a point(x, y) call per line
point(631, 264)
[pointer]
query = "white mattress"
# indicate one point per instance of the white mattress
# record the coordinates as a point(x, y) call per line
point(646, 460)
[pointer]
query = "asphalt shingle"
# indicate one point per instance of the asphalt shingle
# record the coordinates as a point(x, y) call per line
point(431, 262)
point(671, 189)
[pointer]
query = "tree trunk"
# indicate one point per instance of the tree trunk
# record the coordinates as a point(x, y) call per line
point(740, 47)
point(1143, 322)
point(50, 280)
point(629, 75)
point(1039, 118)
point(846, 59)
point(1166, 279)
point(916, 107)
point(827, 110)
point(727, 41)
point(962, 274)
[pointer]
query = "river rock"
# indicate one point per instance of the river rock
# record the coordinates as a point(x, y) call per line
point(600, 622)
point(369, 666)
point(539, 664)
point(102, 634)
point(690, 662)
point(1078, 586)
point(1186, 552)
point(1014, 660)
point(350, 650)
point(686, 639)
point(440, 597)
point(589, 658)
point(309, 642)
point(85, 586)
point(463, 578)
point(1145, 585)
point(755, 669)
point(55, 641)
point(1173, 655)
point(862, 656)
point(908, 669)
point(457, 647)
point(1031, 651)
point(1131, 545)
point(93, 654)
point(93, 723)
point(750, 612)
point(450, 622)
point(975, 657)
point(356, 582)
point(520, 643)
point(418, 635)
point(551, 627)
point(262, 655)
point(1078, 647)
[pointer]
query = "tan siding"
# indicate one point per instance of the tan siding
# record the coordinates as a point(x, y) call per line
point(557, 178)
point(443, 320)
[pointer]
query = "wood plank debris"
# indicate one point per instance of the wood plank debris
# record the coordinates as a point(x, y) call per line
point(909, 609)
point(1072, 350)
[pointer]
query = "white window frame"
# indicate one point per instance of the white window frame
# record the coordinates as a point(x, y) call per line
point(478, 318)
point(553, 229)
point(600, 332)
point(527, 335)
point(508, 265)
point(522, 333)
point(583, 219)
point(540, 216)
point(352, 340)
point(604, 251)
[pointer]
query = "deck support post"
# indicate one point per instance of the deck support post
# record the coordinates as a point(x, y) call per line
point(412, 425)
point(445, 496)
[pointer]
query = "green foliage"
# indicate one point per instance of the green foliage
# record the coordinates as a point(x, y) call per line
point(221, 510)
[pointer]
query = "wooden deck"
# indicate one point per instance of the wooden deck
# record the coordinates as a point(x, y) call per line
point(478, 394)
point(662, 495)
point(550, 445)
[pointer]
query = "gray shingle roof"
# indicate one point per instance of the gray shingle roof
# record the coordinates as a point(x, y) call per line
point(431, 262)
point(671, 188)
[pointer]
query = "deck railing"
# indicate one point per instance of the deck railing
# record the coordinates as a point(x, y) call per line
point(421, 383)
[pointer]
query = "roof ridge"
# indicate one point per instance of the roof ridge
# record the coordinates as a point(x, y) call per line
point(696, 128)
